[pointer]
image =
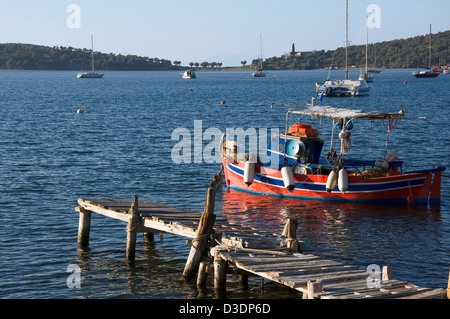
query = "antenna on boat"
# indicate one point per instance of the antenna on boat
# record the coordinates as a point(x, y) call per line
point(346, 40)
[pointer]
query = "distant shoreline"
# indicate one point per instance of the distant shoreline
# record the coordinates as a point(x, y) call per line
point(231, 68)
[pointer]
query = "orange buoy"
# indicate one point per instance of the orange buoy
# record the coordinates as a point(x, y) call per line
point(223, 101)
point(404, 82)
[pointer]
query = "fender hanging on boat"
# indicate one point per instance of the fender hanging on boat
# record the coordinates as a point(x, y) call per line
point(249, 172)
point(288, 178)
point(343, 180)
point(331, 181)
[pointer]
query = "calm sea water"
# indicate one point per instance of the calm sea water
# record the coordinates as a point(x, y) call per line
point(51, 156)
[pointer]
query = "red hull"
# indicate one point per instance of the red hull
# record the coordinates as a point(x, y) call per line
point(420, 188)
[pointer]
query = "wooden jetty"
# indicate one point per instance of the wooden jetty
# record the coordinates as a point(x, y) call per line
point(247, 251)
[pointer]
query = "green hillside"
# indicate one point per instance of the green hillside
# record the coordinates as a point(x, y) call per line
point(405, 53)
point(15, 56)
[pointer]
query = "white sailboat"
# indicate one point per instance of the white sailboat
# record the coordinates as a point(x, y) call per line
point(188, 74)
point(345, 87)
point(259, 73)
point(431, 73)
point(368, 77)
point(93, 74)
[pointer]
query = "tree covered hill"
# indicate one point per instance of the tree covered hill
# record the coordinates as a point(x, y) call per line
point(16, 56)
point(404, 53)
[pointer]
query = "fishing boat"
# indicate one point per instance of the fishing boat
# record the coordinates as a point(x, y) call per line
point(295, 167)
point(431, 73)
point(188, 74)
point(259, 73)
point(345, 87)
point(367, 76)
point(93, 74)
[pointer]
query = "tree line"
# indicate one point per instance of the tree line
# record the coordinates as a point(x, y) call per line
point(211, 65)
point(404, 53)
point(16, 56)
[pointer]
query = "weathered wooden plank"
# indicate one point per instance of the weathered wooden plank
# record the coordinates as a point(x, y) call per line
point(362, 289)
point(251, 259)
point(435, 293)
point(104, 211)
point(359, 284)
point(284, 272)
point(297, 281)
point(299, 267)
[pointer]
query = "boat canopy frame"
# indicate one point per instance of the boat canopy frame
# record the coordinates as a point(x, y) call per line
point(341, 114)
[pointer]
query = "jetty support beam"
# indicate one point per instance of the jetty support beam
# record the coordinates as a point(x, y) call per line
point(132, 228)
point(220, 274)
point(84, 227)
point(448, 286)
point(290, 232)
point(200, 241)
point(313, 287)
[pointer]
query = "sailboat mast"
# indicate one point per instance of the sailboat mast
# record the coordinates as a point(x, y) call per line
point(92, 52)
point(429, 59)
point(367, 42)
point(260, 45)
point(346, 40)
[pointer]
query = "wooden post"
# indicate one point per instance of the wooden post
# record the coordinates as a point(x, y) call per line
point(314, 287)
point(243, 281)
point(290, 231)
point(202, 274)
point(205, 226)
point(148, 237)
point(84, 227)
point(386, 273)
point(448, 287)
point(220, 274)
point(132, 229)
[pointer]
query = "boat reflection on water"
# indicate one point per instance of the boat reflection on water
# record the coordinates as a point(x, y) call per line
point(330, 227)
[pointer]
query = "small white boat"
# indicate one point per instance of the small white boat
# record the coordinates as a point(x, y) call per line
point(345, 87)
point(188, 74)
point(368, 77)
point(447, 71)
point(432, 72)
point(259, 73)
point(93, 74)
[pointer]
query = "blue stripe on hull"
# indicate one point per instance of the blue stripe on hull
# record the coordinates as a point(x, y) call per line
point(392, 201)
point(352, 187)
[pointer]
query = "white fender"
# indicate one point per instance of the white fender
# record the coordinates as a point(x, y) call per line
point(343, 180)
point(249, 172)
point(331, 181)
point(392, 156)
point(288, 178)
point(383, 164)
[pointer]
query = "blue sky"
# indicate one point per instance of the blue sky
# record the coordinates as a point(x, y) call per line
point(224, 31)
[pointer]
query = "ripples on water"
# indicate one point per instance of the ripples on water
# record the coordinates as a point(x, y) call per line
point(51, 156)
